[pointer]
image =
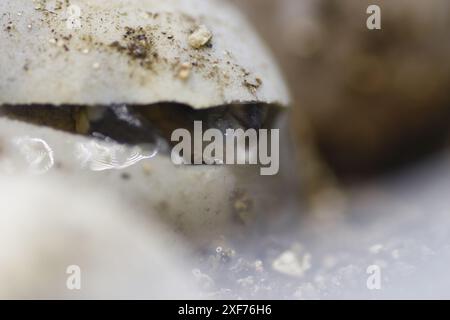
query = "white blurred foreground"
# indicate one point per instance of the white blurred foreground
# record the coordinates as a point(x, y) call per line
point(47, 226)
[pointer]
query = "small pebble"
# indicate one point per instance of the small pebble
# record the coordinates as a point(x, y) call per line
point(200, 37)
point(185, 71)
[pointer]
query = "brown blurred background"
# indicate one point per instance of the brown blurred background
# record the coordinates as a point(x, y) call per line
point(374, 99)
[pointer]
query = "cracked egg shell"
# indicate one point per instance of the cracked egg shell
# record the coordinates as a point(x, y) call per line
point(193, 201)
point(133, 52)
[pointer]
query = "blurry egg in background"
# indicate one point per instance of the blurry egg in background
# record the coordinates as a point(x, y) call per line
point(375, 99)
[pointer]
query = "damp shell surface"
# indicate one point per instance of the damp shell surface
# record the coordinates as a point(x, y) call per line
point(198, 53)
point(133, 52)
point(188, 199)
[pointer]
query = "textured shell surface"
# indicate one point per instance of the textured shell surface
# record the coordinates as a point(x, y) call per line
point(134, 52)
point(145, 182)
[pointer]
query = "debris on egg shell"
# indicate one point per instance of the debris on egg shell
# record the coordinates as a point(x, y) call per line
point(200, 37)
point(185, 71)
point(120, 55)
